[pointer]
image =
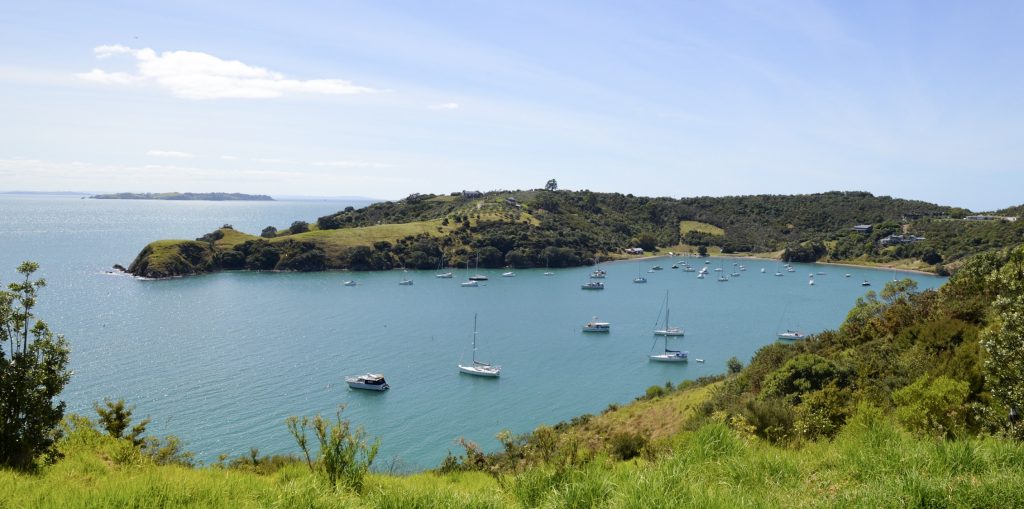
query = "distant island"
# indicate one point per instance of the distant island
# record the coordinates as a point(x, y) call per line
point(184, 196)
point(558, 228)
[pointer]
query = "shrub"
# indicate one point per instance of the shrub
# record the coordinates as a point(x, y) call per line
point(624, 445)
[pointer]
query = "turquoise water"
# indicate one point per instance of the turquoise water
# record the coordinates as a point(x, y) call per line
point(220, 360)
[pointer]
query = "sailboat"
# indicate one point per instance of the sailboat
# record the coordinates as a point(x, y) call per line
point(440, 266)
point(479, 368)
point(469, 282)
point(668, 330)
point(477, 276)
point(639, 278)
point(405, 281)
point(667, 355)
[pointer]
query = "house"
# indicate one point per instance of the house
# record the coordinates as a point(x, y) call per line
point(981, 217)
point(635, 250)
point(472, 194)
point(900, 239)
point(862, 228)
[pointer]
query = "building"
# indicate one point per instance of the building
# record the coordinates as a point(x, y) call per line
point(862, 228)
point(635, 250)
point(900, 239)
point(981, 217)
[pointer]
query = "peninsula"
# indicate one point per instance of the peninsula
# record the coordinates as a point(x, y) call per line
point(184, 196)
point(560, 228)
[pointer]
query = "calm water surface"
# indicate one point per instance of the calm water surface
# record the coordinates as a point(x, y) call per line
point(221, 360)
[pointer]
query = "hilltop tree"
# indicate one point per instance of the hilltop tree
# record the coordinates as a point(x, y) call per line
point(115, 417)
point(552, 185)
point(33, 372)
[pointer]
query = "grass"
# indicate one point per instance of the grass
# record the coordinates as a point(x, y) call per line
point(333, 241)
point(871, 463)
point(697, 226)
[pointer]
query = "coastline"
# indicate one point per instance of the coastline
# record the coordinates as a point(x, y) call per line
point(756, 257)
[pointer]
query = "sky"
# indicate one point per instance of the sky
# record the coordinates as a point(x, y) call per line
point(917, 100)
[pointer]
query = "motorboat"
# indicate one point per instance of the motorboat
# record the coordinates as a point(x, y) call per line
point(469, 284)
point(350, 282)
point(598, 274)
point(369, 381)
point(593, 285)
point(596, 326)
point(791, 334)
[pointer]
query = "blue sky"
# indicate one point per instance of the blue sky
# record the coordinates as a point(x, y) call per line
point(909, 99)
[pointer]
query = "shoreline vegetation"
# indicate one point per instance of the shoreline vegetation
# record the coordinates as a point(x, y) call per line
point(555, 228)
point(184, 196)
point(911, 402)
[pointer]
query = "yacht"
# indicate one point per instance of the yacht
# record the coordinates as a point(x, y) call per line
point(596, 326)
point(668, 330)
point(791, 334)
point(593, 285)
point(478, 277)
point(479, 368)
point(350, 282)
point(369, 381)
point(598, 274)
point(469, 284)
point(865, 283)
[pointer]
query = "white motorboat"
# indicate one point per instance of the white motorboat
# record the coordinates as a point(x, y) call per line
point(444, 275)
point(350, 282)
point(369, 381)
point(469, 284)
point(593, 285)
point(666, 329)
point(596, 326)
point(865, 283)
point(791, 334)
point(598, 274)
point(479, 368)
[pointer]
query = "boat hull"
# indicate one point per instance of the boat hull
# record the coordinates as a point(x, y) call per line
point(669, 332)
point(665, 357)
point(484, 371)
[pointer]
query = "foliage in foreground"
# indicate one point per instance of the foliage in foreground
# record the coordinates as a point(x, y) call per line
point(33, 372)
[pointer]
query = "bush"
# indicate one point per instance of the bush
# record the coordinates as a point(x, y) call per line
point(933, 407)
point(344, 453)
point(624, 445)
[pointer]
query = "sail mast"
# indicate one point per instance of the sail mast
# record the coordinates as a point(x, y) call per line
point(474, 338)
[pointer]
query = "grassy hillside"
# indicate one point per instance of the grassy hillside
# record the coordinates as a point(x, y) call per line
point(569, 228)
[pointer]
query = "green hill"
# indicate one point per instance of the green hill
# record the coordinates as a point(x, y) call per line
point(540, 228)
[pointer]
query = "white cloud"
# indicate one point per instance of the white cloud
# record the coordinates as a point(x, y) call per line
point(444, 106)
point(229, 158)
point(351, 164)
point(169, 153)
point(197, 75)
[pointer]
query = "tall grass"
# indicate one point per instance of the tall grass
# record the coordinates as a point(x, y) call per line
point(871, 463)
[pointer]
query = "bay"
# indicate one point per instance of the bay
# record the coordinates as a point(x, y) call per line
point(221, 360)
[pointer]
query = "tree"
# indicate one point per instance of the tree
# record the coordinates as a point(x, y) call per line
point(702, 250)
point(1004, 340)
point(33, 372)
point(115, 417)
point(734, 365)
point(298, 227)
point(344, 452)
point(269, 232)
point(552, 185)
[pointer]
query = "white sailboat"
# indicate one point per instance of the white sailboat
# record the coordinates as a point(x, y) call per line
point(639, 278)
point(668, 355)
point(479, 368)
point(440, 266)
point(469, 282)
point(405, 281)
point(668, 330)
